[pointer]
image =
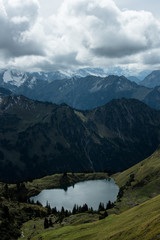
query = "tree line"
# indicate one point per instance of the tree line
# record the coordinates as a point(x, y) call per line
point(102, 211)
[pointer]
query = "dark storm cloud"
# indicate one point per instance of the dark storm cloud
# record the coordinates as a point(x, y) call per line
point(118, 51)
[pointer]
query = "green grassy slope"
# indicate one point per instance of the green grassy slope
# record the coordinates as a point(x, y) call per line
point(144, 185)
point(35, 226)
point(140, 222)
point(147, 169)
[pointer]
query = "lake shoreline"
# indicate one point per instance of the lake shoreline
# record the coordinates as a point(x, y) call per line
point(61, 181)
point(90, 192)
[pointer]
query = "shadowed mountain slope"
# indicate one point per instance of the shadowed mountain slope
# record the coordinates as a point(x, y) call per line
point(42, 138)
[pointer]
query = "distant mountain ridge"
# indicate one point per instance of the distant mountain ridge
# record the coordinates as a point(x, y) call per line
point(39, 138)
point(152, 80)
point(89, 92)
point(134, 79)
point(13, 78)
point(79, 92)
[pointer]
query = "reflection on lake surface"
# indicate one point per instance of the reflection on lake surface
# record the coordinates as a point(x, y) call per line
point(91, 192)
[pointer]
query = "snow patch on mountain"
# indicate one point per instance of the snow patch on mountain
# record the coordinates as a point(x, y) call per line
point(14, 77)
point(96, 87)
point(32, 82)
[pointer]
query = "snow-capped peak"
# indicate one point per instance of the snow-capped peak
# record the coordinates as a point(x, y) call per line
point(14, 77)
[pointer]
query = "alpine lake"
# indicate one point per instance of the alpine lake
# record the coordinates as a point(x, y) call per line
point(92, 192)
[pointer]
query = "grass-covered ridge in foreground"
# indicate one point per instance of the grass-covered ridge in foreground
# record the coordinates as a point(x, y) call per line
point(147, 169)
point(141, 182)
point(140, 222)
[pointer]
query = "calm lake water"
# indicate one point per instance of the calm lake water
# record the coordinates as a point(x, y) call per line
point(91, 192)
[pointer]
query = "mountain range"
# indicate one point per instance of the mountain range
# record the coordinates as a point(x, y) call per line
point(39, 138)
point(92, 91)
point(78, 92)
point(11, 78)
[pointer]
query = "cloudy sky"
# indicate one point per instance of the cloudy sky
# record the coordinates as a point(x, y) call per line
point(68, 34)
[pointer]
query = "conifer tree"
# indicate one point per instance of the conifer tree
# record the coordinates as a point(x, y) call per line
point(101, 207)
point(46, 224)
point(50, 222)
point(62, 210)
point(74, 211)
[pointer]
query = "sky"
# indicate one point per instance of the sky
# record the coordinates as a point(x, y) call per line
point(51, 35)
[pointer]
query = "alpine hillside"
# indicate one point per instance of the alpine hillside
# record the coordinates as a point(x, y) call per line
point(39, 138)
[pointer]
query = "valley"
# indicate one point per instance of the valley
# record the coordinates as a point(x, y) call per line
point(137, 208)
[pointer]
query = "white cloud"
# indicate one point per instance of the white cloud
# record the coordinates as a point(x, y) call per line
point(97, 29)
point(81, 33)
point(16, 21)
